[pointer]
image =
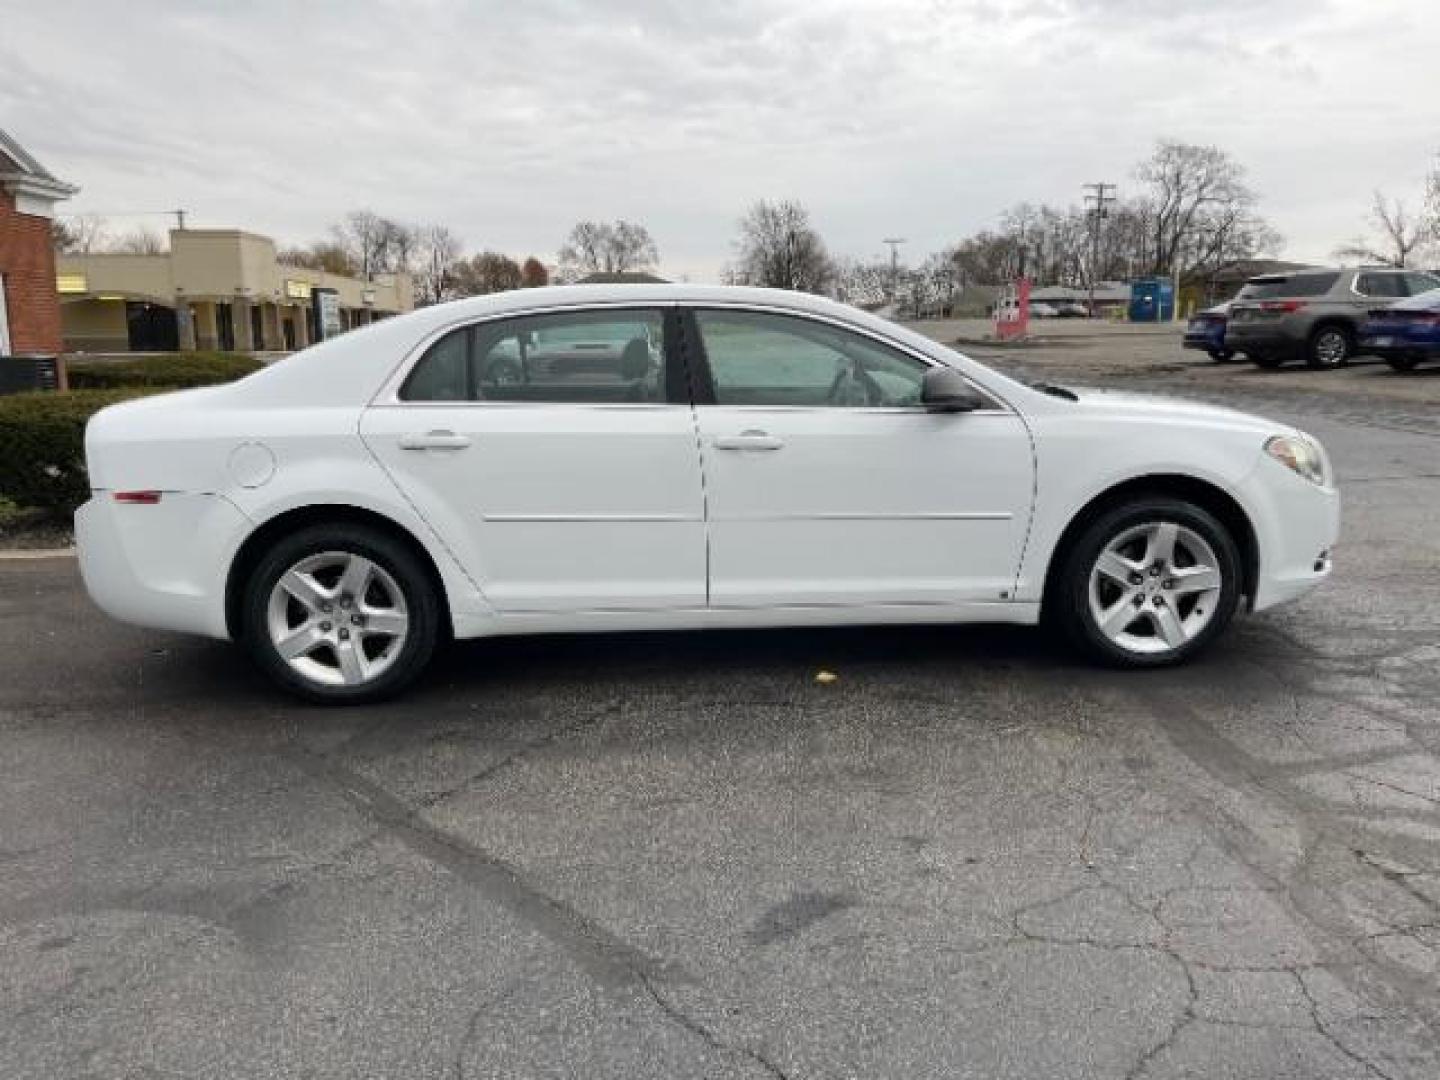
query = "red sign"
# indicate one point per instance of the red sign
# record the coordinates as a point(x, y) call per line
point(1012, 312)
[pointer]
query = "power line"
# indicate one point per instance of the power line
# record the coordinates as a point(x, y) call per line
point(178, 215)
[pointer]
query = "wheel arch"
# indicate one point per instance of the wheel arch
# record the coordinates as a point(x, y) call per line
point(1210, 497)
point(253, 548)
point(1350, 325)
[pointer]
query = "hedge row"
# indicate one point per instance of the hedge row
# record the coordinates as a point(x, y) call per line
point(174, 370)
point(42, 446)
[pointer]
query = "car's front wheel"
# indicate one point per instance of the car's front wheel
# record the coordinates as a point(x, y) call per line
point(341, 614)
point(1149, 583)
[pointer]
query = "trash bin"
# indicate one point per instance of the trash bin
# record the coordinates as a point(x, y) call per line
point(19, 374)
point(1152, 300)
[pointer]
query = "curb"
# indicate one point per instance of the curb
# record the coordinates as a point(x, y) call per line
point(28, 554)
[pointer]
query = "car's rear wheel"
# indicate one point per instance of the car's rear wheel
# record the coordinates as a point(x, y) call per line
point(1149, 583)
point(1222, 356)
point(1267, 360)
point(1329, 347)
point(1402, 363)
point(341, 614)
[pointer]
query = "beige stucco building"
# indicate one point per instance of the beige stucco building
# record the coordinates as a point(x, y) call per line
point(214, 289)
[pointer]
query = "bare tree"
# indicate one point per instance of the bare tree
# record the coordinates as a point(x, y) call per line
point(1432, 203)
point(865, 284)
point(80, 234)
point(533, 274)
point(486, 272)
point(435, 261)
point(375, 244)
point(326, 255)
point(139, 241)
point(780, 249)
point(606, 247)
point(1399, 233)
point(1189, 186)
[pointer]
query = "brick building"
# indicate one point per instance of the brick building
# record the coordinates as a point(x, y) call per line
point(29, 305)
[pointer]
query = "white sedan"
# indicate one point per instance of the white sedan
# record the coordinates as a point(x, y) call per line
point(643, 457)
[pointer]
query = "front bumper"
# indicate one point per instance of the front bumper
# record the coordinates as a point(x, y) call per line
point(1297, 524)
point(164, 565)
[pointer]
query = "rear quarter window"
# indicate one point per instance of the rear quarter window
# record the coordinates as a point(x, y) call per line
point(1298, 285)
point(1390, 286)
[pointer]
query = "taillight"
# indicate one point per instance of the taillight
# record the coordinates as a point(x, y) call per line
point(1285, 307)
point(137, 498)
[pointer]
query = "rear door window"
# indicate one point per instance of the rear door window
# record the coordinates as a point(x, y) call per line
point(580, 357)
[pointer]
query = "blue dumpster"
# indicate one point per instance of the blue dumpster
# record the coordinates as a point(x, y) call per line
point(1152, 300)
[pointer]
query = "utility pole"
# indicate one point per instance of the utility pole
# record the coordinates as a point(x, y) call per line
point(1097, 200)
point(894, 242)
point(179, 219)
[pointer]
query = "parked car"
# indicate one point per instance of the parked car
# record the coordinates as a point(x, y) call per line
point(1041, 310)
point(796, 462)
point(1206, 331)
point(1314, 315)
point(1073, 309)
point(1406, 333)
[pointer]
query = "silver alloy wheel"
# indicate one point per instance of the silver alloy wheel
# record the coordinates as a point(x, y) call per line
point(1331, 348)
point(1154, 587)
point(337, 618)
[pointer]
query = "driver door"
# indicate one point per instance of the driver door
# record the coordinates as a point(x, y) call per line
point(828, 483)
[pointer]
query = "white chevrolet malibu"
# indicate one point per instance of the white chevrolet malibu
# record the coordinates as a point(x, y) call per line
point(643, 457)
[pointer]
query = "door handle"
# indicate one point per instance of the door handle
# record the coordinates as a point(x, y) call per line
point(434, 440)
point(748, 440)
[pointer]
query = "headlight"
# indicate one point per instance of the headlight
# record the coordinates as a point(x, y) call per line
point(1302, 454)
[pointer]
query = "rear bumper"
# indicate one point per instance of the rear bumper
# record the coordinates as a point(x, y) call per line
point(1266, 339)
point(1297, 524)
point(162, 566)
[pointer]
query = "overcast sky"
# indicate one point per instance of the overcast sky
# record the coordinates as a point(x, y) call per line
point(914, 118)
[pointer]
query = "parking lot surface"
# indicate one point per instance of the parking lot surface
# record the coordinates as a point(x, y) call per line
point(682, 855)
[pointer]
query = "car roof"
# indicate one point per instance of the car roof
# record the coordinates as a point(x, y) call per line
point(368, 355)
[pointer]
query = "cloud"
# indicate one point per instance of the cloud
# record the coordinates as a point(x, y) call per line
point(510, 121)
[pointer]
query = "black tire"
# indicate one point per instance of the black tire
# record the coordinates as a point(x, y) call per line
point(1330, 346)
point(1068, 602)
point(1402, 363)
point(1222, 356)
point(422, 604)
point(1268, 361)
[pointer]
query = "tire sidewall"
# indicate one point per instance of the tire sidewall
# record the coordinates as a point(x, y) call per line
point(1312, 355)
point(1073, 591)
point(421, 602)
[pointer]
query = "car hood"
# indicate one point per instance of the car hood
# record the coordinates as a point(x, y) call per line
point(1156, 407)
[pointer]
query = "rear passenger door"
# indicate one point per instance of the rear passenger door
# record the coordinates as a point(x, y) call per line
point(555, 455)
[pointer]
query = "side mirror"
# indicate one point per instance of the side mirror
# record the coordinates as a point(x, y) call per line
point(944, 390)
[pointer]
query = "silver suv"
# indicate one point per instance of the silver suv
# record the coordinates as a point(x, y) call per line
point(1314, 314)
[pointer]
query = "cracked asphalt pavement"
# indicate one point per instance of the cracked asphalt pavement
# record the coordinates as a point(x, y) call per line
point(680, 856)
